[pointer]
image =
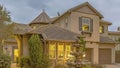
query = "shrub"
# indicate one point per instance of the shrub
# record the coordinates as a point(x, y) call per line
point(5, 61)
point(35, 51)
point(24, 62)
point(45, 62)
point(59, 66)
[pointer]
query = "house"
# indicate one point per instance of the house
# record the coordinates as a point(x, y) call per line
point(60, 33)
point(115, 35)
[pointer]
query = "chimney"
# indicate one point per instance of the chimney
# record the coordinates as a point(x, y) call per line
point(58, 13)
point(118, 28)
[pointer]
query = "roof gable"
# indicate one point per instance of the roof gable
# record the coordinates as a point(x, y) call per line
point(87, 8)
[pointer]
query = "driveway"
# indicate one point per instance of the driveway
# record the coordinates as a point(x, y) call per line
point(113, 66)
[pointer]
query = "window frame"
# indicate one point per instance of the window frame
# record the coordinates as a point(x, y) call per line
point(102, 27)
point(84, 23)
point(60, 44)
point(53, 43)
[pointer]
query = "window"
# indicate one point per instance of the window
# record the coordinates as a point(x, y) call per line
point(52, 50)
point(66, 22)
point(60, 50)
point(67, 50)
point(85, 24)
point(101, 29)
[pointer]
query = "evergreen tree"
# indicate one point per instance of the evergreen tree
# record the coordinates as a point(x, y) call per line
point(35, 51)
point(5, 25)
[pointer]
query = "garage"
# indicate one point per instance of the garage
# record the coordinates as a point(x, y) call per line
point(105, 56)
point(89, 54)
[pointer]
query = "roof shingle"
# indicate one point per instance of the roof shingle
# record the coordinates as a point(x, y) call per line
point(106, 40)
point(42, 18)
point(52, 32)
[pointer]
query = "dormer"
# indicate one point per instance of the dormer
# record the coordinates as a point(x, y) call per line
point(41, 20)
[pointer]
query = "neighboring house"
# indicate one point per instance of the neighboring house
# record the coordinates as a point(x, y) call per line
point(10, 48)
point(59, 33)
point(115, 35)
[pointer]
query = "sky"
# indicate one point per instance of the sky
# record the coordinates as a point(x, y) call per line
point(24, 11)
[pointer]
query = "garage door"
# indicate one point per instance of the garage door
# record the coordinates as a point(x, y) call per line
point(89, 54)
point(105, 56)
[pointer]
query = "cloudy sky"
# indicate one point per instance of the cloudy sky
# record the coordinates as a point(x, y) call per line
point(24, 11)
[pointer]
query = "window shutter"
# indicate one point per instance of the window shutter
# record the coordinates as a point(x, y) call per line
point(103, 29)
point(91, 25)
point(80, 23)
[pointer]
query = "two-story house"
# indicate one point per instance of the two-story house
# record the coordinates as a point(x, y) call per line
point(59, 33)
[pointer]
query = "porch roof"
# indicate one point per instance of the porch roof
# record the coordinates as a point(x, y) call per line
point(52, 32)
point(104, 39)
point(21, 28)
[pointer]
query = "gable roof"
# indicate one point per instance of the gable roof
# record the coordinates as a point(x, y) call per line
point(52, 32)
point(81, 5)
point(90, 6)
point(43, 18)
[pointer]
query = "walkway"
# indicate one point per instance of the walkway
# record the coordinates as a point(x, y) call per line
point(113, 66)
point(13, 65)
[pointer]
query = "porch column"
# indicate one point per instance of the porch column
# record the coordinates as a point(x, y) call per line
point(96, 54)
point(113, 55)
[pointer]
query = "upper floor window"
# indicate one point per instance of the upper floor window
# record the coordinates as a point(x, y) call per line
point(85, 24)
point(101, 29)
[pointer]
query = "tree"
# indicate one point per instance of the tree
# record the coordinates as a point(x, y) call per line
point(78, 53)
point(35, 51)
point(5, 25)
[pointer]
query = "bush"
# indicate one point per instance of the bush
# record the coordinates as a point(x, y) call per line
point(59, 65)
point(5, 61)
point(24, 62)
point(46, 62)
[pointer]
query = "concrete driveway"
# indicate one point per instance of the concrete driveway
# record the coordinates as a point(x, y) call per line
point(113, 66)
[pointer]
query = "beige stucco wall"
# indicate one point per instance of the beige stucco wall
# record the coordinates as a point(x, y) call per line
point(95, 53)
point(25, 45)
point(74, 24)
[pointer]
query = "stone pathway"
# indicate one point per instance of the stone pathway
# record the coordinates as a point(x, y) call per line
point(13, 65)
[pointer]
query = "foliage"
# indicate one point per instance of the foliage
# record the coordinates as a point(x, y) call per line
point(5, 25)
point(82, 42)
point(59, 66)
point(24, 62)
point(86, 66)
point(45, 62)
point(5, 61)
point(92, 66)
point(35, 51)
